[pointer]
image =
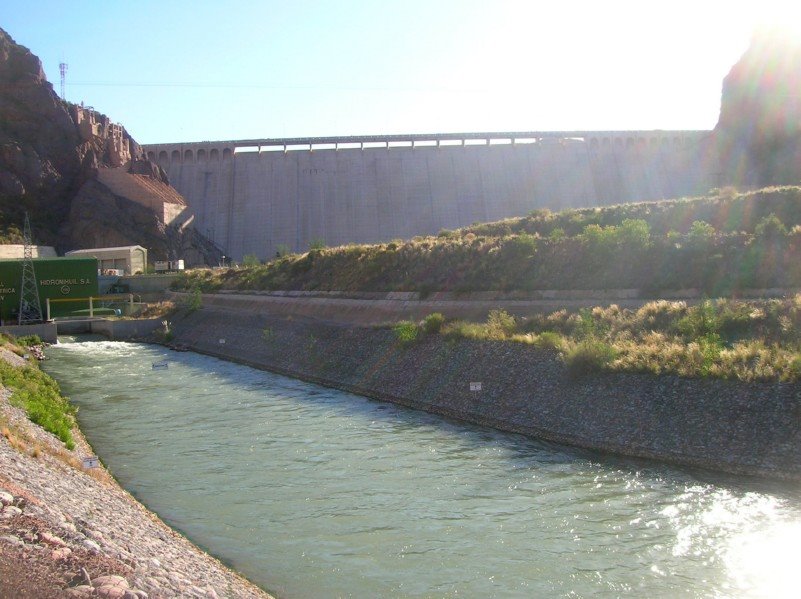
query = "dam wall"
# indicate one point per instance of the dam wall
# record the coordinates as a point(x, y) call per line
point(267, 195)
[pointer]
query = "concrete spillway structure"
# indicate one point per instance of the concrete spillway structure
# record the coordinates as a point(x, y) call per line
point(257, 196)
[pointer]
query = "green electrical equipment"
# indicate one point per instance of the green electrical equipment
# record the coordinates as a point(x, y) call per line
point(72, 279)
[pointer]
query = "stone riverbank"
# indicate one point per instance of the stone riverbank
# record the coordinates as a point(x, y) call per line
point(66, 531)
point(731, 426)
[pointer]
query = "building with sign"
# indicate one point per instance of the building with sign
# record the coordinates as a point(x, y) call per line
point(130, 259)
point(57, 279)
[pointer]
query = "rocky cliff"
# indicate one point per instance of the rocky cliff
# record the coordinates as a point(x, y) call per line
point(82, 178)
point(759, 130)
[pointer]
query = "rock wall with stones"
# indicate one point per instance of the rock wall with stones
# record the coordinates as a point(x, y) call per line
point(723, 425)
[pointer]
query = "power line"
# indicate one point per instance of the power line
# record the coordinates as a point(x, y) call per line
point(270, 87)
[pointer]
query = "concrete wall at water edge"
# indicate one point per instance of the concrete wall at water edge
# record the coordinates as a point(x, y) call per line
point(261, 196)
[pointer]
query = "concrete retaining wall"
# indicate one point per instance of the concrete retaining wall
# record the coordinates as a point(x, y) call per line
point(17, 251)
point(113, 329)
point(723, 425)
point(125, 329)
point(391, 307)
point(148, 283)
point(361, 308)
point(347, 190)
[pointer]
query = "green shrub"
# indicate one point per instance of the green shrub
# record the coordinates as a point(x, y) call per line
point(250, 260)
point(500, 324)
point(549, 340)
point(406, 331)
point(316, 244)
point(794, 370)
point(585, 325)
point(40, 397)
point(589, 356)
point(29, 340)
point(710, 346)
point(461, 329)
point(598, 237)
point(194, 300)
point(770, 227)
point(701, 320)
point(518, 247)
point(701, 233)
point(432, 323)
point(634, 232)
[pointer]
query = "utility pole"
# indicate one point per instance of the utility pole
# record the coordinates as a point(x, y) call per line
point(62, 68)
point(30, 310)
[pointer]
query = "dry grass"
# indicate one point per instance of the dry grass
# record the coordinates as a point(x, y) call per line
point(732, 339)
point(158, 309)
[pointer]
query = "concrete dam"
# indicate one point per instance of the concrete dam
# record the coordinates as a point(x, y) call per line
point(263, 195)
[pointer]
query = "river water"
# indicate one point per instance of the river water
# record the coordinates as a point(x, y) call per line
point(312, 492)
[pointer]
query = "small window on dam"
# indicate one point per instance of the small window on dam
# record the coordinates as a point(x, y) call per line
point(201, 155)
point(188, 156)
point(163, 157)
point(176, 156)
point(214, 154)
point(227, 154)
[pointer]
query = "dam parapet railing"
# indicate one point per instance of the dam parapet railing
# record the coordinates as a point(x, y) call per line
point(215, 150)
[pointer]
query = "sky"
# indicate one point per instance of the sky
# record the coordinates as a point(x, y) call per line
point(184, 71)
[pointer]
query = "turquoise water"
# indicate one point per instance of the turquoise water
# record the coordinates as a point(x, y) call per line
point(312, 492)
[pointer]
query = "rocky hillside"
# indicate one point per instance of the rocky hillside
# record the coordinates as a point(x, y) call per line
point(83, 179)
point(759, 130)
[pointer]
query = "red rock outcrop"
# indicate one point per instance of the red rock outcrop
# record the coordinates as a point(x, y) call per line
point(759, 130)
point(83, 179)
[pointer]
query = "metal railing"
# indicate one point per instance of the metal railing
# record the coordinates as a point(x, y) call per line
point(91, 299)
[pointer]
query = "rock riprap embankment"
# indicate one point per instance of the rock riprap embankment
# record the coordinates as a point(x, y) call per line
point(727, 425)
point(70, 532)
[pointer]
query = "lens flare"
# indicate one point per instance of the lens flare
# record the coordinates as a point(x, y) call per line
point(765, 562)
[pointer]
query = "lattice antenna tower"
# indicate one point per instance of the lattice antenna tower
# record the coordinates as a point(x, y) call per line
point(30, 310)
point(62, 68)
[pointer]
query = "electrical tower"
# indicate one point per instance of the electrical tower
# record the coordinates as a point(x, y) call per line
point(62, 68)
point(30, 310)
